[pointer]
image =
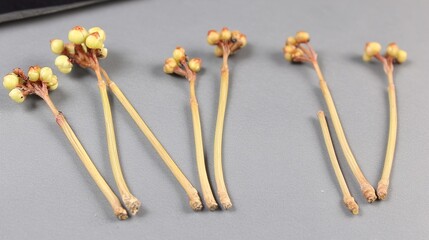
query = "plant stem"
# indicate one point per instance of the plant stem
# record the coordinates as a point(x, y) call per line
point(349, 201)
point(199, 150)
point(131, 202)
point(223, 96)
point(194, 199)
point(366, 188)
point(383, 184)
point(99, 180)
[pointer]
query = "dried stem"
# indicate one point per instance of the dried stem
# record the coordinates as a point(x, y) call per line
point(194, 199)
point(199, 149)
point(223, 96)
point(383, 184)
point(99, 180)
point(349, 201)
point(366, 188)
point(131, 202)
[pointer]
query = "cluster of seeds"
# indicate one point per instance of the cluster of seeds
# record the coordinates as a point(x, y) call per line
point(292, 50)
point(21, 85)
point(393, 52)
point(233, 40)
point(83, 46)
point(180, 64)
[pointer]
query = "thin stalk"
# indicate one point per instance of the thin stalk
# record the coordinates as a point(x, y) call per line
point(223, 96)
point(194, 199)
point(131, 202)
point(366, 188)
point(199, 150)
point(96, 176)
point(349, 201)
point(383, 184)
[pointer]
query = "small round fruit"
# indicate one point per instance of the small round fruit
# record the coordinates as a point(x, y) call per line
point(195, 64)
point(34, 73)
point(179, 54)
point(57, 46)
point(213, 37)
point(225, 34)
point(366, 57)
point(372, 48)
point(100, 31)
point(77, 35)
point(10, 81)
point(302, 37)
point(402, 56)
point(17, 95)
point(46, 74)
point(94, 41)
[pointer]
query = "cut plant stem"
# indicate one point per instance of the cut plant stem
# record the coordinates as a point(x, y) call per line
point(366, 188)
point(131, 202)
point(118, 210)
point(223, 97)
point(349, 201)
point(194, 199)
point(298, 49)
point(199, 149)
point(383, 184)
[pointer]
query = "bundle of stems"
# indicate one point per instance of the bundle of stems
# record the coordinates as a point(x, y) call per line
point(40, 81)
point(349, 201)
point(194, 198)
point(227, 42)
point(85, 49)
point(298, 49)
point(182, 66)
point(393, 55)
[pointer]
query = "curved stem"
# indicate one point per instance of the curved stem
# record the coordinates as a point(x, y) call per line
point(366, 188)
point(194, 199)
point(131, 202)
point(349, 201)
point(80, 151)
point(383, 184)
point(218, 169)
point(199, 149)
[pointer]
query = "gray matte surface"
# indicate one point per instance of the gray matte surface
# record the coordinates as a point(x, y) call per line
point(276, 166)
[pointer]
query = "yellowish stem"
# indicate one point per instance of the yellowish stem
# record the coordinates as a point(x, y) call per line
point(194, 199)
point(349, 201)
point(199, 150)
point(223, 97)
point(99, 180)
point(131, 202)
point(383, 184)
point(366, 188)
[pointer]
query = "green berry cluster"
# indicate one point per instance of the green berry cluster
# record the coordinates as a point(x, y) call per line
point(83, 44)
point(21, 85)
point(180, 64)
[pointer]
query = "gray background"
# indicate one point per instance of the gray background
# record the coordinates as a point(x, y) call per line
point(275, 162)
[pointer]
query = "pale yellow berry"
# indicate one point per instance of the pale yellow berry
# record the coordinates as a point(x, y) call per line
point(392, 50)
point(57, 46)
point(65, 70)
point(366, 57)
point(103, 52)
point(402, 56)
point(288, 57)
point(46, 74)
point(94, 41)
point(242, 40)
point(34, 73)
point(225, 34)
point(17, 95)
point(63, 61)
point(179, 54)
point(100, 31)
point(235, 35)
point(10, 81)
point(53, 81)
point(218, 51)
point(53, 87)
point(302, 37)
point(372, 48)
point(77, 35)
point(291, 41)
point(213, 37)
point(169, 65)
point(195, 64)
